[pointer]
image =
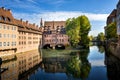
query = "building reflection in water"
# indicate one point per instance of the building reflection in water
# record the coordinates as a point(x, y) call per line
point(19, 66)
point(113, 67)
point(75, 65)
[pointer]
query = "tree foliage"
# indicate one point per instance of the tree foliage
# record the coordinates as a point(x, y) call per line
point(101, 36)
point(91, 37)
point(111, 31)
point(78, 66)
point(78, 29)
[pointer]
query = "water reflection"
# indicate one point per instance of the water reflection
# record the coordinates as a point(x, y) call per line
point(86, 64)
point(74, 64)
point(101, 49)
point(19, 66)
point(113, 67)
point(79, 66)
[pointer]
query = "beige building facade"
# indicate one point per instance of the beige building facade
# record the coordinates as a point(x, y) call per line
point(17, 35)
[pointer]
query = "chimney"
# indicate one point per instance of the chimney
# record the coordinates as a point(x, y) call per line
point(33, 24)
point(9, 10)
point(26, 22)
point(21, 19)
point(3, 8)
point(37, 26)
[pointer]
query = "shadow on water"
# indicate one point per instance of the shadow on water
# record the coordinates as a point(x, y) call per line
point(113, 67)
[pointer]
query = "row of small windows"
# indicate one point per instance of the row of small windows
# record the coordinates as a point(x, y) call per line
point(29, 42)
point(7, 35)
point(5, 18)
point(48, 27)
point(7, 27)
point(55, 36)
point(60, 40)
point(7, 44)
point(24, 37)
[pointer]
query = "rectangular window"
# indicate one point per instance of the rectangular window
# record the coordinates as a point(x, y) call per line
point(14, 28)
point(12, 43)
point(4, 44)
point(8, 35)
point(8, 27)
point(4, 27)
point(4, 35)
point(0, 26)
point(0, 35)
point(0, 44)
point(15, 43)
point(8, 44)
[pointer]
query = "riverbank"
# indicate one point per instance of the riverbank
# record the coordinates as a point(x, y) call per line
point(115, 50)
point(13, 56)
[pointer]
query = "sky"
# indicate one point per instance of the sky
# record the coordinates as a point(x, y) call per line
point(60, 10)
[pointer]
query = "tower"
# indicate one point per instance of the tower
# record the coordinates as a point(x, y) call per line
point(41, 23)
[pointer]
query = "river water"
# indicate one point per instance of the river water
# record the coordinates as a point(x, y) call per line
point(87, 64)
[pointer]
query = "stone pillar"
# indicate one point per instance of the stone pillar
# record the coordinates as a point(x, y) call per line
point(53, 47)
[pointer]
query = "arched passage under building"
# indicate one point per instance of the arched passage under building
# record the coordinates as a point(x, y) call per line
point(60, 46)
point(46, 46)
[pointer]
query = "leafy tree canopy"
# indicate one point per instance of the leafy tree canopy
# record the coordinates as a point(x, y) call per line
point(111, 31)
point(77, 30)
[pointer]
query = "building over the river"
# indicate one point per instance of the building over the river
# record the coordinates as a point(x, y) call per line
point(54, 34)
point(17, 35)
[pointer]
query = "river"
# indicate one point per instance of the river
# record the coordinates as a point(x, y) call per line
point(87, 64)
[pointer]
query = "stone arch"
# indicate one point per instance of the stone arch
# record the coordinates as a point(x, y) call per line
point(60, 46)
point(46, 46)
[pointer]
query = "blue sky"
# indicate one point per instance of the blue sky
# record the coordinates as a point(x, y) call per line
point(32, 10)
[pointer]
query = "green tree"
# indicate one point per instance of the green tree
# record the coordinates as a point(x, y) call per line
point(101, 36)
point(111, 31)
point(77, 30)
point(91, 37)
point(73, 31)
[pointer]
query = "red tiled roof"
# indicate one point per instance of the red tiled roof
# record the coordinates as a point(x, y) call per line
point(4, 13)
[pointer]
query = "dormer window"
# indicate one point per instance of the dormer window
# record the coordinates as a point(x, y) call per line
point(0, 18)
point(3, 18)
point(8, 19)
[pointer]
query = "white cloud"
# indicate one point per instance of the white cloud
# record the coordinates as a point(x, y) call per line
point(65, 15)
point(97, 62)
point(62, 16)
point(95, 32)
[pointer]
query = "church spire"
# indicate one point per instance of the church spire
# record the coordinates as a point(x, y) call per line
point(41, 23)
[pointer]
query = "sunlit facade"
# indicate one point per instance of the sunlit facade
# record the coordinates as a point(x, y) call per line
point(55, 33)
point(17, 35)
